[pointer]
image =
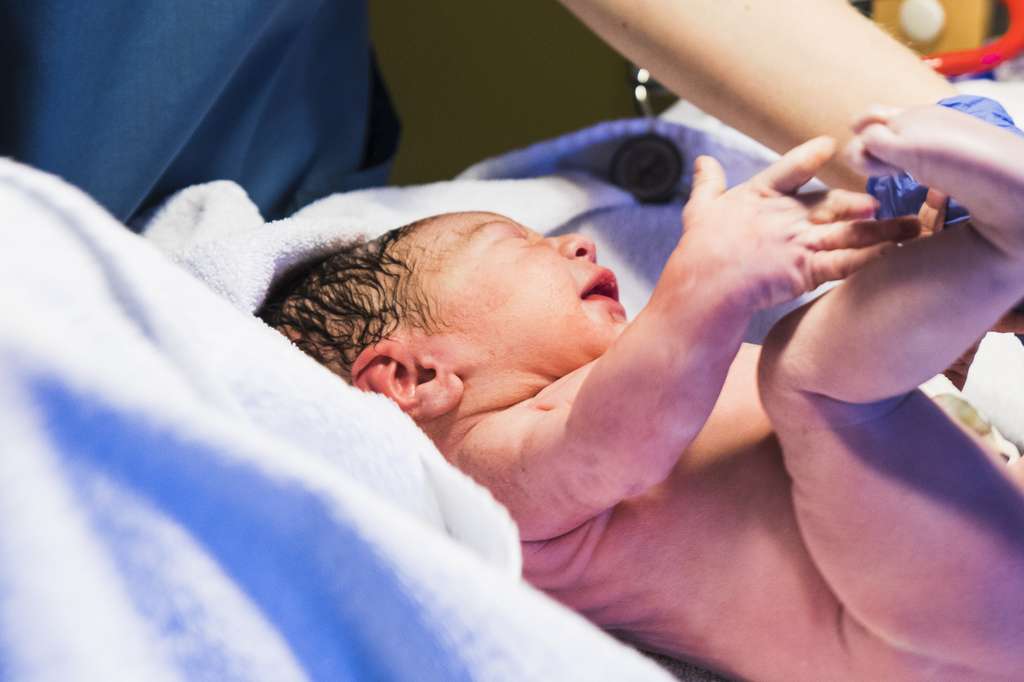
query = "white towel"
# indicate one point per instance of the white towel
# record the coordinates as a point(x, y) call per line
point(186, 496)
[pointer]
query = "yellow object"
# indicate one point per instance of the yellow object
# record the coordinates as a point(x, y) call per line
point(963, 412)
point(939, 25)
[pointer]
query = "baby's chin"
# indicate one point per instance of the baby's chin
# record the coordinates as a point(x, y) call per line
point(617, 325)
point(603, 342)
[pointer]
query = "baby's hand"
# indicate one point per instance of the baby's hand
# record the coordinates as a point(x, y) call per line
point(952, 152)
point(770, 245)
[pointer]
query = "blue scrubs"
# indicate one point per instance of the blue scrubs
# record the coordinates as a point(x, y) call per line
point(132, 101)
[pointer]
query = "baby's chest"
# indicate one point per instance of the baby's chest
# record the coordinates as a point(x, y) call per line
point(670, 562)
point(716, 513)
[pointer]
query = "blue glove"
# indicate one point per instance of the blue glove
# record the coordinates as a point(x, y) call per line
point(902, 195)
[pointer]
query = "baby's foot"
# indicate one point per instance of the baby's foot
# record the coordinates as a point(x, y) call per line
point(973, 161)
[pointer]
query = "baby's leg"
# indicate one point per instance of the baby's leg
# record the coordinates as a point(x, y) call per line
point(915, 527)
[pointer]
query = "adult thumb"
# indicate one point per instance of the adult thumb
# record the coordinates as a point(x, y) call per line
point(884, 144)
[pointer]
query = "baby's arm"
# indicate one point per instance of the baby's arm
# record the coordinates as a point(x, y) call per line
point(582, 446)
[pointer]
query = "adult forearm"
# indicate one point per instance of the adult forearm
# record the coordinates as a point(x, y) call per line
point(782, 72)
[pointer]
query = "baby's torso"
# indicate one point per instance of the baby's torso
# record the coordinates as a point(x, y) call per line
point(709, 564)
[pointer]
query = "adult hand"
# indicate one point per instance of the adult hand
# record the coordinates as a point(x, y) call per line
point(951, 152)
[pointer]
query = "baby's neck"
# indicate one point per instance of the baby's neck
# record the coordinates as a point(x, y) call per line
point(483, 397)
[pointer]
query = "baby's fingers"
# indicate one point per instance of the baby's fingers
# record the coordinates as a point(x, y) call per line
point(861, 233)
point(840, 204)
point(933, 212)
point(708, 180)
point(830, 266)
point(797, 166)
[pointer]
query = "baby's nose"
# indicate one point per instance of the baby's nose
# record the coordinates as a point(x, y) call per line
point(578, 246)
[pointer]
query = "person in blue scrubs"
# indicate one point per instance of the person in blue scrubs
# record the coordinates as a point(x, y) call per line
point(132, 101)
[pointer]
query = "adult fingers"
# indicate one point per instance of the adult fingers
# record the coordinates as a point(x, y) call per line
point(829, 266)
point(839, 204)
point(876, 114)
point(882, 143)
point(857, 234)
point(797, 166)
point(859, 159)
point(933, 213)
point(708, 179)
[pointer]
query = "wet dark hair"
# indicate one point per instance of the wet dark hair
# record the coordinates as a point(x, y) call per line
point(335, 307)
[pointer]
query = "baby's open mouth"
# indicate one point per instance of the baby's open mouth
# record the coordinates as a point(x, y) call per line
point(603, 284)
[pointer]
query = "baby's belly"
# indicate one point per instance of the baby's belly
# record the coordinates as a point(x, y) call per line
point(708, 566)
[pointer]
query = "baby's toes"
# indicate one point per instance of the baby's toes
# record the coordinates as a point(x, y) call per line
point(840, 204)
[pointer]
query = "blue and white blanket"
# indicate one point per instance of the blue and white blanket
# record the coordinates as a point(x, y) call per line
point(185, 495)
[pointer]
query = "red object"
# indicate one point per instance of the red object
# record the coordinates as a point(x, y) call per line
point(987, 57)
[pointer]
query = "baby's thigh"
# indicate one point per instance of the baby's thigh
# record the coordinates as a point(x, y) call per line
point(901, 451)
point(900, 492)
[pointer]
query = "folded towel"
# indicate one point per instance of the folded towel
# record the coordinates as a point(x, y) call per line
point(215, 231)
point(185, 496)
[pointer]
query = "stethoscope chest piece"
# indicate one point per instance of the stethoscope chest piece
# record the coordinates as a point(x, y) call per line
point(648, 166)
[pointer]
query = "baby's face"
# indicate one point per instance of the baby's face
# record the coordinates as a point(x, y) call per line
point(530, 303)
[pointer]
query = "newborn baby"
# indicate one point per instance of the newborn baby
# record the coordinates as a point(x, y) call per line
point(772, 527)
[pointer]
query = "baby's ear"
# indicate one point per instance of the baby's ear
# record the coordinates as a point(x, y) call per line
point(424, 387)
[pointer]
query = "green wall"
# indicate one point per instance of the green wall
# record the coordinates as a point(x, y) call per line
point(472, 79)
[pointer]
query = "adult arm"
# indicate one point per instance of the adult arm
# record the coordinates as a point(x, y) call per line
point(781, 72)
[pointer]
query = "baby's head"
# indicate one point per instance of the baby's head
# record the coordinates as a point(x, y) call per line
point(454, 309)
